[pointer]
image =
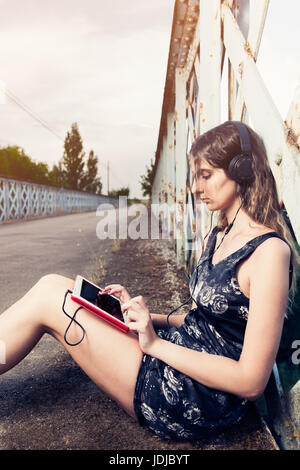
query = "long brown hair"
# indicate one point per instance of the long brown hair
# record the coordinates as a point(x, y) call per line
point(260, 197)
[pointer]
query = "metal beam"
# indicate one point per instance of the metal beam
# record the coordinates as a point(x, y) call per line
point(282, 151)
point(180, 161)
point(210, 65)
point(254, 39)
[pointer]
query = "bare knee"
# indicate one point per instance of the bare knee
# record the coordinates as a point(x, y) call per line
point(47, 288)
point(52, 279)
point(51, 283)
point(46, 297)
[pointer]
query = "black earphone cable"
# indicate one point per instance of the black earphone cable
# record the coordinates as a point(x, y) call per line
point(72, 320)
point(210, 256)
point(177, 308)
point(227, 229)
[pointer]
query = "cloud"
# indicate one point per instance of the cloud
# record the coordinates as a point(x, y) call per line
point(100, 64)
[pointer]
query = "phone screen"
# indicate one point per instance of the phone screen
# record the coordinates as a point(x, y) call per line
point(106, 302)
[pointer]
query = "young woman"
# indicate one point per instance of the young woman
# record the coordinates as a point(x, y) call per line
point(198, 376)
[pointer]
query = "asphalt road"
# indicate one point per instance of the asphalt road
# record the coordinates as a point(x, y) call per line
point(66, 245)
point(44, 396)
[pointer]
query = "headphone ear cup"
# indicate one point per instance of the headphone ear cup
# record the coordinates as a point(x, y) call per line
point(232, 167)
point(240, 169)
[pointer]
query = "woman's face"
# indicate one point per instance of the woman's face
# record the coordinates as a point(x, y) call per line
point(212, 186)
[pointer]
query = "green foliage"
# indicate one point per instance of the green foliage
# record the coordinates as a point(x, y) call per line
point(146, 180)
point(70, 172)
point(289, 371)
point(124, 191)
point(135, 200)
point(14, 163)
point(73, 158)
point(89, 180)
point(57, 175)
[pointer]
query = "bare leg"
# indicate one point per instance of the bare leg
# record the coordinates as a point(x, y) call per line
point(109, 357)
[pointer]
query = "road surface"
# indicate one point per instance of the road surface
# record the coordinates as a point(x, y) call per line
point(66, 245)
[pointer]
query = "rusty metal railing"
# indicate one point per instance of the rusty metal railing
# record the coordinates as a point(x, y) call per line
point(208, 38)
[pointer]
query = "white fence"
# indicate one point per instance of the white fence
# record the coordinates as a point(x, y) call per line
point(21, 200)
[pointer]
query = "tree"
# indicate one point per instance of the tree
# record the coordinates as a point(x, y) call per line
point(57, 175)
point(89, 181)
point(124, 191)
point(146, 180)
point(15, 163)
point(73, 158)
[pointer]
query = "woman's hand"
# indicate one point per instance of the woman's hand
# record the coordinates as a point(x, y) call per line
point(118, 291)
point(138, 319)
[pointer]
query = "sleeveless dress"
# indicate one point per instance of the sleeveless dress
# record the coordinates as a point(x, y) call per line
point(174, 405)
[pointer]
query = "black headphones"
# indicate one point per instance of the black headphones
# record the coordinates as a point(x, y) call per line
point(240, 167)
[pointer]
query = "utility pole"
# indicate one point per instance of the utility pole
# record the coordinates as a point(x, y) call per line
point(107, 172)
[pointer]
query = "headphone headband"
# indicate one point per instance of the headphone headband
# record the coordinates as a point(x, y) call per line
point(244, 137)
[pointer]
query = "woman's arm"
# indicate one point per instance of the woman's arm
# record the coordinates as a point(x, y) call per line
point(269, 289)
point(248, 376)
point(160, 320)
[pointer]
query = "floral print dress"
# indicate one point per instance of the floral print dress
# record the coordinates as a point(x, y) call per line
point(173, 404)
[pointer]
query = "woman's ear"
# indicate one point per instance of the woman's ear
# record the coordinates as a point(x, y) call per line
point(241, 191)
point(238, 190)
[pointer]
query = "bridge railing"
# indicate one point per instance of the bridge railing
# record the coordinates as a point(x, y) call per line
point(23, 199)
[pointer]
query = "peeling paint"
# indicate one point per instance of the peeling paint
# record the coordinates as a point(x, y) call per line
point(241, 69)
point(228, 3)
point(248, 50)
point(292, 137)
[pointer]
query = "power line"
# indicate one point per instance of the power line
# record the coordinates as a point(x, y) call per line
point(31, 113)
point(104, 165)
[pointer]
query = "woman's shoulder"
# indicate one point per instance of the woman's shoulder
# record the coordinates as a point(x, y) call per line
point(274, 246)
point(266, 237)
point(269, 269)
point(271, 251)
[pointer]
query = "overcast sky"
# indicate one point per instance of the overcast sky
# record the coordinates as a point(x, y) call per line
point(102, 64)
